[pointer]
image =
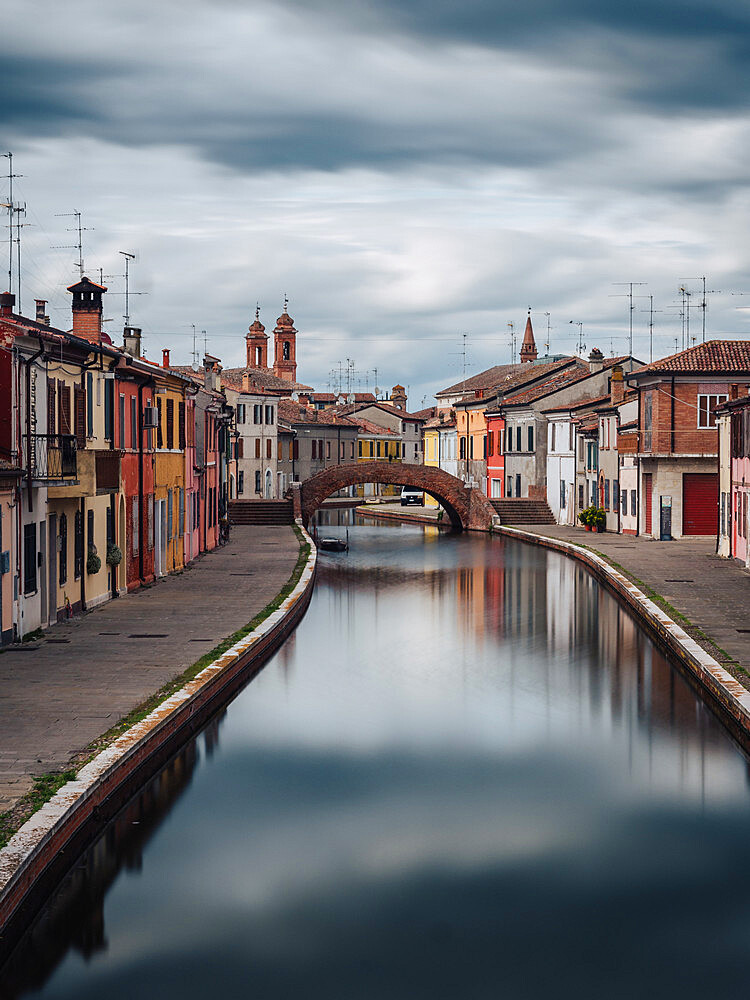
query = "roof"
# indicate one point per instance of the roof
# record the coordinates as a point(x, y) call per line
point(351, 408)
point(435, 423)
point(368, 427)
point(487, 379)
point(559, 380)
point(294, 412)
point(262, 378)
point(425, 414)
point(331, 397)
point(580, 404)
point(715, 356)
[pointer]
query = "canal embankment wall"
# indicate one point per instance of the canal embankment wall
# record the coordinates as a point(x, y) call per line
point(40, 852)
point(717, 686)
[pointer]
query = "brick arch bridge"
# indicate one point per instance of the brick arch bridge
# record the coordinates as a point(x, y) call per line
point(466, 506)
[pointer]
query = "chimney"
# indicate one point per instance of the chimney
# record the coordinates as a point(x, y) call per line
point(41, 311)
point(133, 341)
point(304, 399)
point(212, 375)
point(165, 357)
point(7, 301)
point(87, 309)
point(246, 382)
point(596, 360)
point(617, 386)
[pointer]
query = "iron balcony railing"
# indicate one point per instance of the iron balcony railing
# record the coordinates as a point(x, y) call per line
point(51, 457)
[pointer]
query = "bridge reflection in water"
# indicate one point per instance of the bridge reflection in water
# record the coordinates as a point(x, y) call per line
point(469, 774)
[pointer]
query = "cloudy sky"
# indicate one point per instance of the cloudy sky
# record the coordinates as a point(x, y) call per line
point(406, 172)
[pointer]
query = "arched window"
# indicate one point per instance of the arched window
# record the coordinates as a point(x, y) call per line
point(285, 351)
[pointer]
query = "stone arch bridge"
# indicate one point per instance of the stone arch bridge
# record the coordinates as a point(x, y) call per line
point(466, 506)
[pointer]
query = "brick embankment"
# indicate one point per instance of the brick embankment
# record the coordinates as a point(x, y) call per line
point(697, 603)
point(60, 694)
point(39, 852)
point(395, 512)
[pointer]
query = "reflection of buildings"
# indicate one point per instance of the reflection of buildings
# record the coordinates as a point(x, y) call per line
point(74, 916)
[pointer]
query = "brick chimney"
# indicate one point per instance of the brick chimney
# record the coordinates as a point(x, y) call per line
point(87, 309)
point(7, 301)
point(596, 360)
point(212, 376)
point(246, 381)
point(617, 386)
point(165, 357)
point(133, 341)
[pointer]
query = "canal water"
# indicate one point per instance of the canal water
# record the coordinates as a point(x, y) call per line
point(468, 774)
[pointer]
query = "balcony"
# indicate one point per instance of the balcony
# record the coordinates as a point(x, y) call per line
point(51, 458)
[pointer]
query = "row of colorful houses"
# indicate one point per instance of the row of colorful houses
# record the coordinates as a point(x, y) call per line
point(113, 469)
point(642, 442)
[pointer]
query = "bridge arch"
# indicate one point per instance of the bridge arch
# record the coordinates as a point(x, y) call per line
point(466, 506)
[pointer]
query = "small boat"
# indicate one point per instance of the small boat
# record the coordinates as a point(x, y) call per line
point(334, 544)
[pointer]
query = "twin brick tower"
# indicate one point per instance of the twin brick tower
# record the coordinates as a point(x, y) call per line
point(284, 346)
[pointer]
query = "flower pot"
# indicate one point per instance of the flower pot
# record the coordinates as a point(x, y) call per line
point(587, 527)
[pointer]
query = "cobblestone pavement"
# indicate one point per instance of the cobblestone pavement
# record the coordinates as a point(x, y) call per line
point(60, 694)
point(713, 593)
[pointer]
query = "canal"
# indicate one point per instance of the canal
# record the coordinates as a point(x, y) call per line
point(468, 774)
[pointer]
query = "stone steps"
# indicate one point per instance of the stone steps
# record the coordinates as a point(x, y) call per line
point(521, 510)
point(261, 512)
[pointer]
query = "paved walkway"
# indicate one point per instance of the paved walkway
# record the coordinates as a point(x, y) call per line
point(713, 593)
point(60, 694)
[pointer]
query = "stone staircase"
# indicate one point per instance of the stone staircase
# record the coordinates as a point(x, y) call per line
point(261, 512)
point(520, 510)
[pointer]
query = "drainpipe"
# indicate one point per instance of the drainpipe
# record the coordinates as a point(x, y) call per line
point(141, 539)
point(28, 364)
point(83, 553)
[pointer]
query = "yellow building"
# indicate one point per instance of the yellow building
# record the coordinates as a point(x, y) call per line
point(376, 443)
point(431, 452)
point(169, 470)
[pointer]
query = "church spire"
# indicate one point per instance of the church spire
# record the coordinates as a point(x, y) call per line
point(528, 347)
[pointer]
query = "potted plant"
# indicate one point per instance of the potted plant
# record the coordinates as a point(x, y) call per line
point(93, 562)
point(585, 518)
point(114, 555)
point(599, 519)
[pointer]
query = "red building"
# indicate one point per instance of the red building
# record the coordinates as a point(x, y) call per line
point(135, 422)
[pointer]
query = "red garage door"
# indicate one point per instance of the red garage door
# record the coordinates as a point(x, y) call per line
point(700, 497)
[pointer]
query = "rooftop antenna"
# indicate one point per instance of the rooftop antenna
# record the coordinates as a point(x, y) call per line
point(629, 294)
point(128, 257)
point(686, 294)
point(19, 210)
point(77, 228)
point(581, 347)
point(546, 343)
point(11, 209)
point(195, 350)
point(704, 303)
point(205, 343)
point(512, 326)
point(651, 312)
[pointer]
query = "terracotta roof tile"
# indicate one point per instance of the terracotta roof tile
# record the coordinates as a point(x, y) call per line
point(714, 356)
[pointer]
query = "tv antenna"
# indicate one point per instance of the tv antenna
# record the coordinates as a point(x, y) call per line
point(19, 210)
point(512, 327)
point(686, 295)
point(12, 208)
point(205, 343)
point(651, 312)
point(80, 229)
point(546, 343)
point(704, 302)
point(580, 347)
point(630, 285)
point(128, 257)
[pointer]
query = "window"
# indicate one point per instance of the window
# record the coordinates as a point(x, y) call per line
point(135, 515)
point(257, 480)
point(580, 497)
point(170, 424)
point(314, 449)
point(352, 450)
point(257, 447)
point(518, 485)
point(63, 549)
point(269, 448)
point(269, 414)
point(615, 494)
point(285, 351)
point(170, 514)
point(606, 494)
point(109, 410)
point(89, 404)
point(257, 413)
point(510, 486)
point(518, 438)
point(633, 503)
point(121, 416)
point(359, 447)
point(181, 425)
point(647, 421)
point(416, 450)
point(181, 529)
point(78, 545)
point(484, 447)
point(133, 423)
point(624, 504)
point(240, 482)
point(471, 447)
point(530, 437)
point(509, 440)
point(707, 408)
point(29, 558)
point(490, 443)
point(562, 494)
point(159, 435)
point(328, 449)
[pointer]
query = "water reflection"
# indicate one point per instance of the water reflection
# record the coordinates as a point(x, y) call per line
point(470, 774)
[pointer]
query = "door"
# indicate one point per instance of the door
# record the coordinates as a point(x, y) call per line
point(700, 502)
point(648, 480)
point(518, 484)
point(52, 569)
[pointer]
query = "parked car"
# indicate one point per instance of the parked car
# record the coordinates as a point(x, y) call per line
point(411, 495)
